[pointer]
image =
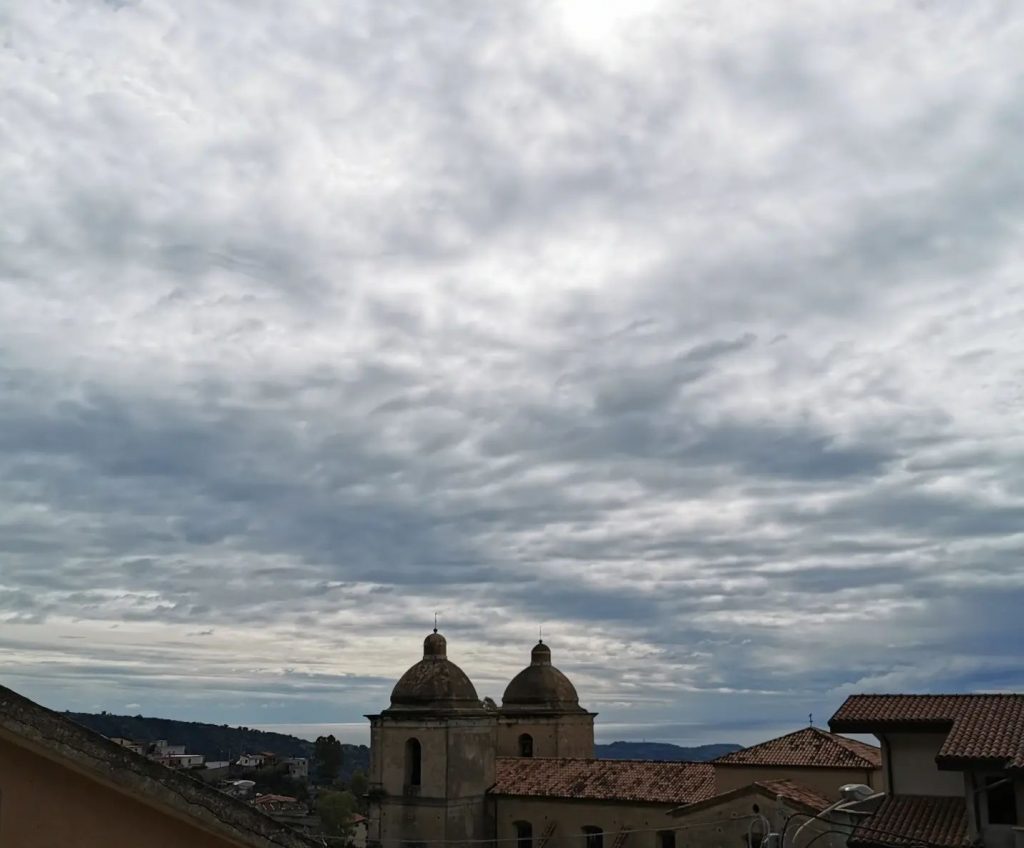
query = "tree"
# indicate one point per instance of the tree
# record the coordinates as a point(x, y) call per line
point(336, 811)
point(358, 786)
point(328, 756)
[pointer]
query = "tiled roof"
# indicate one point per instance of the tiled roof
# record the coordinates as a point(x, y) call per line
point(980, 727)
point(807, 747)
point(621, 780)
point(26, 722)
point(913, 820)
point(794, 793)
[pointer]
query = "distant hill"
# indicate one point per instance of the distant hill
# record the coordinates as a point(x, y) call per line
point(215, 741)
point(662, 751)
point(221, 742)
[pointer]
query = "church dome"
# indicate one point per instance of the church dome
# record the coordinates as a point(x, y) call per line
point(540, 687)
point(435, 683)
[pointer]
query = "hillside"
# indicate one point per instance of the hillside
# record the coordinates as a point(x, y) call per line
point(662, 751)
point(221, 742)
point(215, 741)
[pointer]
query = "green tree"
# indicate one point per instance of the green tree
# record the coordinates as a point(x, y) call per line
point(336, 810)
point(328, 756)
point(358, 786)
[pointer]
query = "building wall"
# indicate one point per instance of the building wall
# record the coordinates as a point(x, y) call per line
point(553, 736)
point(911, 760)
point(572, 816)
point(728, 824)
point(45, 804)
point(456, 769)
point(825, 781)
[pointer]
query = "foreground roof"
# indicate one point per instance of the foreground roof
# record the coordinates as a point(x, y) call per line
point(34, 727)
point(639, 781)
point(914, 820)
point(795, 794)
point(988, 728)
point(810, 746)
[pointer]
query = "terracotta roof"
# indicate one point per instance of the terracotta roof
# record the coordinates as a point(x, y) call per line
point(980, 727)
point(809, 746)
point(620, 780)
point(906, 820)
point(55, 736)
point(275, 799)
point(794, 793)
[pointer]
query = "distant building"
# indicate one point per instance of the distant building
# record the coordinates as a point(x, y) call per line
point(298, 767)
point(250, 761)
point(263, 758)
point(63, 785)
point(172, 756)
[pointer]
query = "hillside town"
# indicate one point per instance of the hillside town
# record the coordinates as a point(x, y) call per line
point(450, 769)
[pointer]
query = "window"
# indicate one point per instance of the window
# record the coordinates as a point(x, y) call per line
point(524, 834)
point(1002, 806)
point(666, 839)
point(526, 745)
point(412, 762)
point(593, 837)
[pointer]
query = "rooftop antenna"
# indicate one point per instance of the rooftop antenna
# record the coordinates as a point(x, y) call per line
point(435, 621)
point(810, 719)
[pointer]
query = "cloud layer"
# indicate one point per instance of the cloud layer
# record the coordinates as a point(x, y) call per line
point(689, 330)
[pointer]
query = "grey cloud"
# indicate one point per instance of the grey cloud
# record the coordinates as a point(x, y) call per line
point(694, 340)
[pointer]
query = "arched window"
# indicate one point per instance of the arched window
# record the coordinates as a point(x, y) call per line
point(593, 837)
point(524, 834)
point(526, 745)
point(412, 762)
point(666, 839)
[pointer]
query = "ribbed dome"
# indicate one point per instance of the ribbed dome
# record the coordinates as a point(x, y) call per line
point(434, 683)
point(540, 687)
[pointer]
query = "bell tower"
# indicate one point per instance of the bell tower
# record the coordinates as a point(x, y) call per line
point(541, 715)
point(431, 756)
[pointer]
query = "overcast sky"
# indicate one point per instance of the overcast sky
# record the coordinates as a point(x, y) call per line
point(692, 331)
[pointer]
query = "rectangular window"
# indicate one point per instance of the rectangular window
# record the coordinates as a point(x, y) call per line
point(666, 839)
point(1002, 805)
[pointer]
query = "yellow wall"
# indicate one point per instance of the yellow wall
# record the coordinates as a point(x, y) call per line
point(824, 781)
point(569, 735)
point(573, 815)
point(914, 772)
point(44, 804)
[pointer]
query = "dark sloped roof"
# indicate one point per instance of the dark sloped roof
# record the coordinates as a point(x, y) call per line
point(980, 727)
point(809, 746)
point(62, 739)
point(914, 820)
point(640, 781)
point(796, 794)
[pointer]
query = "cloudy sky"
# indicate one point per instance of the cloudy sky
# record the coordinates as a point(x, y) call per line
point(692, 331)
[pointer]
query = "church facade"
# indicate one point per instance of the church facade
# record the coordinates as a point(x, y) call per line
point(448, 768)
point(435, 750)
